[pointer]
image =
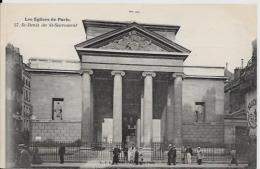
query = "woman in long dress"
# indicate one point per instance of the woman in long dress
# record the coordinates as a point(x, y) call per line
point(131, 152)
point(199, 156)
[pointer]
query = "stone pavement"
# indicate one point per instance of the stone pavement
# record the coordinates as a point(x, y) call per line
point(143, 166)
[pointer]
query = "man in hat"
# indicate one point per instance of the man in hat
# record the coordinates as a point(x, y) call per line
point(199, 156)
point(233, 155)
point(136, 158)
point(61, 152)
point(116, 153)
point(125, 151)
point(24, 160)
point(171, 155)
point(189, 154)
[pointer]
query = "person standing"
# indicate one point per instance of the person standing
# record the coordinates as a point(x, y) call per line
point(62, 151)
point(131, 153)
point(136, 159)
point(171, 155)
point(189, 154)
point(199, 156)
point(233, 155)
point(36, 159)
point(174, 155)
point(116, 153)
point(24, 160)
point(183, 154)
point(125, 150)
point(141, 158)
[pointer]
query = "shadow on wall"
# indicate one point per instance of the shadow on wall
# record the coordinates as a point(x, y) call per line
point(189, 115)
point(210, 99)
point(210, 105)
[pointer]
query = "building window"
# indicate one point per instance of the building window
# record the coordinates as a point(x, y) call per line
point(200, 115)
point(26, 97)
point(57, 108)
point(29, 98)
point(24, 94)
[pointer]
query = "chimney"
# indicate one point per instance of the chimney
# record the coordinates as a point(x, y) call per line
point(237, 73)
point(242, 63)
point(226, 65)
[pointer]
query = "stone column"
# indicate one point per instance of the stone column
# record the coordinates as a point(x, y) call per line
point(117, 106)
point(138, 133)
point(142, 121)
point(87, 111)
point(148, 109)
point(178, 107)
point(170, 113)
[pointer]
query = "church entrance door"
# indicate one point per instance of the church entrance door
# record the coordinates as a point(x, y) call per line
point(129, 129)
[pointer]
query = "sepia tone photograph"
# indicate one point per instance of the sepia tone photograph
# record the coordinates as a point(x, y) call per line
point(130, 85)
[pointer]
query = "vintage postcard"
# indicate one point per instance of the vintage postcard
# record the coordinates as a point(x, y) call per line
point(128, 85)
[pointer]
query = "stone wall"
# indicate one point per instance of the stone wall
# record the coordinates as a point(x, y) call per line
point(56, 130)
point(203, 133)
point(209, 91)
point(45, 87)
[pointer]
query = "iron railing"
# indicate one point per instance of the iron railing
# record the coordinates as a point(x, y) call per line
point(103, 152)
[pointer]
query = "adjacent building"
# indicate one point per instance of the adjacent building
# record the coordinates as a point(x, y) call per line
point(241, 108)
point(18, 107)
point(130, 85)
point(240, 102)
point(26, 99)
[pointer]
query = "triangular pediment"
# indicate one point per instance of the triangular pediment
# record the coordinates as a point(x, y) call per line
point(133, 38)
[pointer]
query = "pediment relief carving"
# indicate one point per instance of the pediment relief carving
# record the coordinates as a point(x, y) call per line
point(133, 41)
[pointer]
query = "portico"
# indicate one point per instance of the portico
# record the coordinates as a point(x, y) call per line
point(139, 74)
point(131, 96)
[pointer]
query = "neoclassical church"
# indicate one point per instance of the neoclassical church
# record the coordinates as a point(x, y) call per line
point(130, 85)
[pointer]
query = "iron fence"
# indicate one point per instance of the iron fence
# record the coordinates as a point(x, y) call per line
point(103, 152)
point(211, 152)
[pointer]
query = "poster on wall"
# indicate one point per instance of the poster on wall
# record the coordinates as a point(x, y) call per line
point(251, 117)
point(57, 109)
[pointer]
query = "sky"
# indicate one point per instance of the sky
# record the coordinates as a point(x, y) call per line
point(215, 34)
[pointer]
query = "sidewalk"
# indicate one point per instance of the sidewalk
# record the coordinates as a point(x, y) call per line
point(143, 166)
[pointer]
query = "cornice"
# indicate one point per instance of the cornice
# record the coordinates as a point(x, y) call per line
point(32, 70)
point(205, 77)
point(114, 24)
point(145, 54)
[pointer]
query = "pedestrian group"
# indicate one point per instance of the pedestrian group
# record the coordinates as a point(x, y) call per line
point(131, 154)
point(186, 155)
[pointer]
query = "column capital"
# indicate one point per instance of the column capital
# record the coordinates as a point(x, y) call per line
point(89, 71)
point(178, 74)
point(144, 74)
point(115, 72)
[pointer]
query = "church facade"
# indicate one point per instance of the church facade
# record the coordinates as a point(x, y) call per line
point(130, 85)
